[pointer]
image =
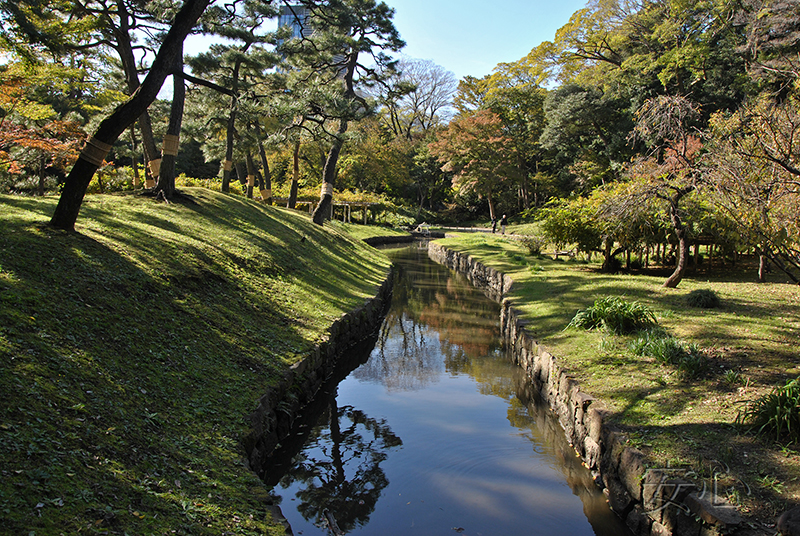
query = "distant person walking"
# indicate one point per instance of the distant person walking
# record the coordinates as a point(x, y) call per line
point(494, 224)
point(503, 223)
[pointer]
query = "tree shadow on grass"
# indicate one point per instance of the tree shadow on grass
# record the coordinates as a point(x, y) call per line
point(727, 463)
point(720, 457)
point(124, 380)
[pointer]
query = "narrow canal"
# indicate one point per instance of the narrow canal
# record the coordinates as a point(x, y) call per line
point(436, 432)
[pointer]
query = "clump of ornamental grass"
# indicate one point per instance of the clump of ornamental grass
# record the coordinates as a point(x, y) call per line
point(703, 298)
point(615, 315)
point(776, 413)
point(667, 350)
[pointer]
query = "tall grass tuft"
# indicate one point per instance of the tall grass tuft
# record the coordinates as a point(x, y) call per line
point(777, 412)
point(645, 339)
point(615, 315)
point(533, 244)
point(667, 350)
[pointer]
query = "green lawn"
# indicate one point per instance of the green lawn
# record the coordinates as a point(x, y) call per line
point(751, 342)
point(132, 351)
point(362, 232)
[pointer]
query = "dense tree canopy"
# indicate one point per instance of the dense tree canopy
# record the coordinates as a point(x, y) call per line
point(675, 117)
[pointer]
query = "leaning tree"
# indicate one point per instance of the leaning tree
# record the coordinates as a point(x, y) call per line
point(671, 171)
point(98, 146)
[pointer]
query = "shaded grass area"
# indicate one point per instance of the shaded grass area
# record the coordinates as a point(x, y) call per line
point(132, 352)
point(751, 343)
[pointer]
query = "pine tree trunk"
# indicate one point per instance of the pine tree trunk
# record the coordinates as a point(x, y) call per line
point(125, 50)
point(169, 150)
point(295, 175)
point(329, 176)
point(241, 174)
point(251, 175)
point(227, 165)
point(266, 186)
point(329, 171)
point(137, 182)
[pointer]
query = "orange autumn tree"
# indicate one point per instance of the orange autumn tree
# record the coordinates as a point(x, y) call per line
point(475, 148)
point(34, 140)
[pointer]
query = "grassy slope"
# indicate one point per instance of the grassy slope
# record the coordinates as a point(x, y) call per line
point(362, 232)
point(677, 422)
point(132, 352)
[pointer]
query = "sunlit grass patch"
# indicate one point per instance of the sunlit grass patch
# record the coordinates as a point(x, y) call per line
point(132, 351)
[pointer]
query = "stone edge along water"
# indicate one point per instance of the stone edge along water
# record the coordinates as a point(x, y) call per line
point(651, 501)
point(278, 409)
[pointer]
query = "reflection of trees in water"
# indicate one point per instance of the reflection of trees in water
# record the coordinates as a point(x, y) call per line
point(435, 325)
point(405, 357)
point(438, 321)
point(340, 468)
point(470, 322)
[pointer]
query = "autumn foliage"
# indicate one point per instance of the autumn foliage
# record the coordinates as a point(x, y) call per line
point(32, 137)
point(478, 153)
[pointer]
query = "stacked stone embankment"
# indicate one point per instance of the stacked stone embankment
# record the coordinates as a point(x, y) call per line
point(651, 500)
point(277, 410)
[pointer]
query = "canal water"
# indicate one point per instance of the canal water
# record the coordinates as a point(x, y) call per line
point(436, 432)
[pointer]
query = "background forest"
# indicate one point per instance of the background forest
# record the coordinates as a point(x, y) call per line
point(643, 126)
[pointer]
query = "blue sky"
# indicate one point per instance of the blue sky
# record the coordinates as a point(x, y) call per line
point(470, 37)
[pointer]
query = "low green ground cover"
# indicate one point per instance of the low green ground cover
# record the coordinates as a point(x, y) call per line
point(362, 232)
point(742, 349)
point(132, 351)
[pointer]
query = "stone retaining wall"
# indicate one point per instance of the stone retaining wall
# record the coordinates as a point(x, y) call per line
point(650, 500)
point(272, 420)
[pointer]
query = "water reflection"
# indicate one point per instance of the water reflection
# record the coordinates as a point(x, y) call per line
point(338, 471)
point(437, 323)
point(437, 431)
